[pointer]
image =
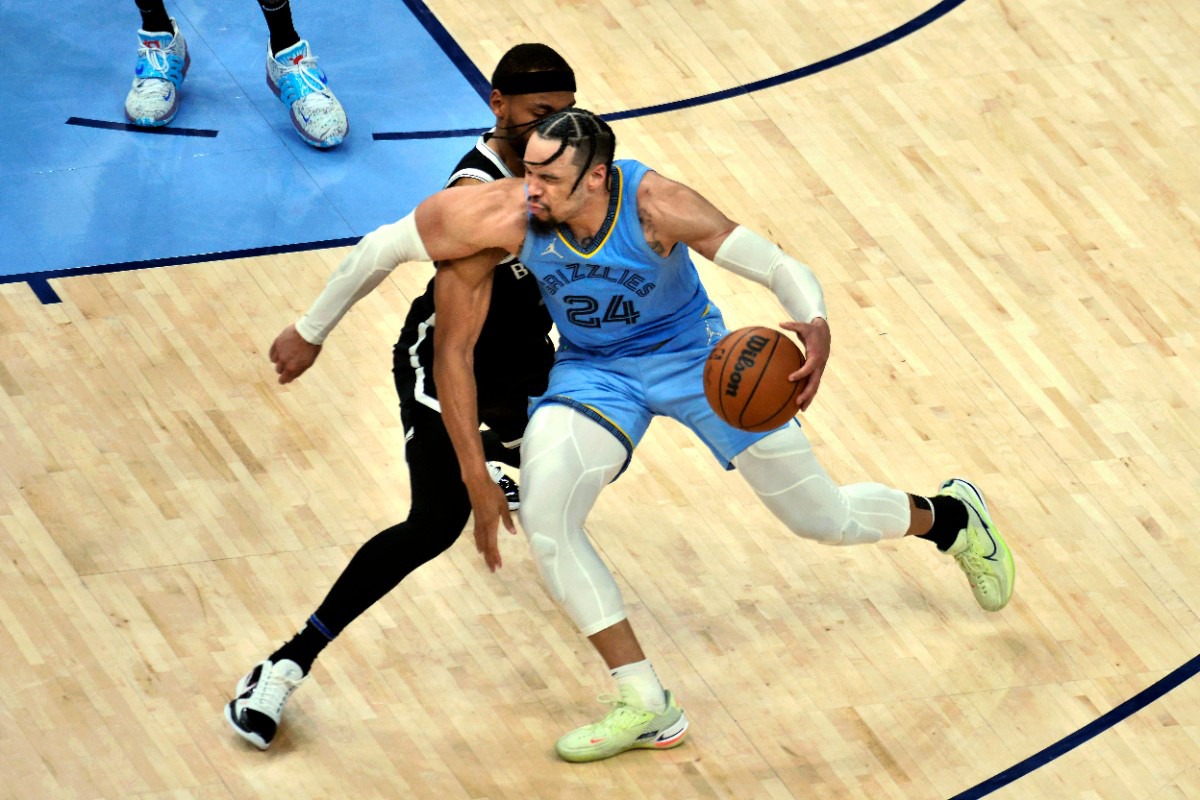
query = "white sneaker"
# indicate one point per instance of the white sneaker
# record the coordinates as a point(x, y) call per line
point(255, 711)
point(512, 492)
point(162, 64)
point(295, 78)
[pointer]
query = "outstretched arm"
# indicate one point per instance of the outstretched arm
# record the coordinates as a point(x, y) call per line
point(462, 292)
point(454, 223)
point(673, 213)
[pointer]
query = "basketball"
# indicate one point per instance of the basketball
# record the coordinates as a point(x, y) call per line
point(745, 378)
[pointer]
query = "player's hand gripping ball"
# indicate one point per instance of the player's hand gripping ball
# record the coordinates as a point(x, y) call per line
point(746, 378)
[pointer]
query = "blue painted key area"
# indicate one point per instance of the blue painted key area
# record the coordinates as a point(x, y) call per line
point(75, 195)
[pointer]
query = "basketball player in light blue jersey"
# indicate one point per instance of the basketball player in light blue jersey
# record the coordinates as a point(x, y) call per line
point(633, 323)
point(608, 242)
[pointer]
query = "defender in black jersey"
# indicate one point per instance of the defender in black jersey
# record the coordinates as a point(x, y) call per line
point(514, 353)
point(512, 362)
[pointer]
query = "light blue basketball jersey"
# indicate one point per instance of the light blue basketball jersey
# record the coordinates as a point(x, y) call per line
point(635, 327)
point(618, 297)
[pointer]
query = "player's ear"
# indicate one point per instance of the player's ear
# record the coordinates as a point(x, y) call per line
point(498, 102)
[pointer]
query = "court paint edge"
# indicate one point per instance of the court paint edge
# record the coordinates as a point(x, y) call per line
point(457, 56)
point(39, 281)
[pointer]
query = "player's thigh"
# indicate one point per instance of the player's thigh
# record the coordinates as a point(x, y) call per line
point(613, 399)
point(567, 458)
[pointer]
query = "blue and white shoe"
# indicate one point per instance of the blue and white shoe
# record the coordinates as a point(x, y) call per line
point(980, 550)
point(162, 64)
point(295, 78)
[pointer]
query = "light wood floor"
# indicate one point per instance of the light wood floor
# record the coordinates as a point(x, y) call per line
point(1003, 209)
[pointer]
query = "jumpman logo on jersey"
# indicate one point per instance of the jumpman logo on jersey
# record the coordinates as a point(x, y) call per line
point(550, 251)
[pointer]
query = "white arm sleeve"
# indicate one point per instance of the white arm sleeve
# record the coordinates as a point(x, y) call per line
point(753, 257)
point(364, 268)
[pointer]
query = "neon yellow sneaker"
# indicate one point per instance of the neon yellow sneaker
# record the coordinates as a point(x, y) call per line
point(980, 550)
point(627, 727)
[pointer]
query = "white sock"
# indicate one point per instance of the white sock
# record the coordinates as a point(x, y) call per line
point(641, 676)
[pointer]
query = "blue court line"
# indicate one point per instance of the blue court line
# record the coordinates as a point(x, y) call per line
point(44, 291)
point(915, 24)
point(83, 122)
point(450, 47)
point(39, 281)
point(404, 135)
point(1086, 733)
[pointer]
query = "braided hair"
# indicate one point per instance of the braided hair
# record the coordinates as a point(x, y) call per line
point(591, 137)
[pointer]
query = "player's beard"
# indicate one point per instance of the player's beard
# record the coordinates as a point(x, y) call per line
point(542, 226)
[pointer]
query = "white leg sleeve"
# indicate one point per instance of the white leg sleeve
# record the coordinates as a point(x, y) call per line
point(785, 474)
point(566, 460)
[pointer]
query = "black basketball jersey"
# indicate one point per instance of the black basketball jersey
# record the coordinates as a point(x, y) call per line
point(514, 352)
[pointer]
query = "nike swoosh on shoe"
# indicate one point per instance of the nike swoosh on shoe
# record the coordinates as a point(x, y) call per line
point(983, 523)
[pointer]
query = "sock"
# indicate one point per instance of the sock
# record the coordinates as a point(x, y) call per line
point(949, 517)
point(278, 14)
point(154, 16)
point(305, 646)
point(642, 677)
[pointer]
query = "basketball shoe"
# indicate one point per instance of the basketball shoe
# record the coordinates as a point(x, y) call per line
point(506, 484)
point(255, 710)
point(295, 78)
point(980, 550)
point(626, 727)
point(162, 64)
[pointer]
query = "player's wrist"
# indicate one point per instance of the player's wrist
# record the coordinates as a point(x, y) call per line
point(307, 332)
point(476, 474)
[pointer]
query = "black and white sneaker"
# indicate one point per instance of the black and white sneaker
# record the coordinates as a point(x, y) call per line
point(255, 710)
point(507, 485)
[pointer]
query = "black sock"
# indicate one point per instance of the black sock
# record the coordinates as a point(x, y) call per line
point(154, 16)
point(949, 517)
point(305, 646)
point(278, 14)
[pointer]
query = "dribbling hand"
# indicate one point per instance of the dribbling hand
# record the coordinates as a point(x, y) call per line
point(292, 355)
point(816, 339)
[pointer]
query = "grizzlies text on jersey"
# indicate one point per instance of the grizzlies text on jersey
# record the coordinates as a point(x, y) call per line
point(617, 297)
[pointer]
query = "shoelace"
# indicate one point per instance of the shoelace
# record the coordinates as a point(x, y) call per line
point(620, 709)
point(276, 690)
point(306, 70)
point(972, 562)
point(158, 61)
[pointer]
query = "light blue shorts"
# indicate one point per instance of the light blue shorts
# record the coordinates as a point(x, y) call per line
point(624, 393)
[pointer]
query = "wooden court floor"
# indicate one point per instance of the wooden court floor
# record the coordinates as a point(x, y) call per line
point(1003, 209)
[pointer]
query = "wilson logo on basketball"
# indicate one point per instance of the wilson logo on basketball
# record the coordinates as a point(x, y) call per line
point(745, 361)
point(746, 378)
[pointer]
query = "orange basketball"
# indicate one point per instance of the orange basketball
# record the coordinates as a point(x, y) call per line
point(745, 378)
